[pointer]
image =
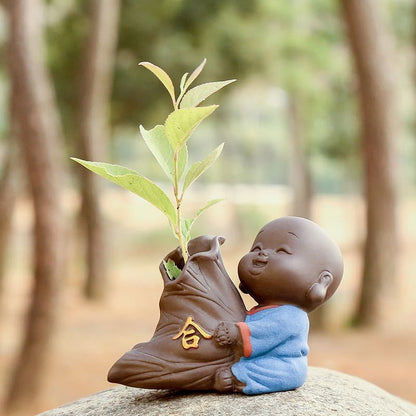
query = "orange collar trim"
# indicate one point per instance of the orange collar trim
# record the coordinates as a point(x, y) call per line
point(256, 309)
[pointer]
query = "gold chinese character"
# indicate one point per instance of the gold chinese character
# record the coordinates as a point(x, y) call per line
point(190, 339)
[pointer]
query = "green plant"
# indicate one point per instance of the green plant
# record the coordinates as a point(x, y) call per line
point(168, 144)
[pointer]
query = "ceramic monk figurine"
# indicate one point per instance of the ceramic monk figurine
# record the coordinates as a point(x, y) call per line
point(205, 338)
point(293, 267)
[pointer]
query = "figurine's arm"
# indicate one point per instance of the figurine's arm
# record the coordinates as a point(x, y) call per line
point(262, 335)
point(259, 338)
point(276, 328)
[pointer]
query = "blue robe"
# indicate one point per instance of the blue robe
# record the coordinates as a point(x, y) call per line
point(275, 349)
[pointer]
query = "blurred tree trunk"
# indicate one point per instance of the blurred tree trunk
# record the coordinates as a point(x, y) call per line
point(8, 194)
point(39, 134)
point(94, 133)
point(372, 57)
point(8, 187)
point(300, 173)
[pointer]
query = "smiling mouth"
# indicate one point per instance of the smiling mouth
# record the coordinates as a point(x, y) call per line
point(259, 262)
point(257, 265)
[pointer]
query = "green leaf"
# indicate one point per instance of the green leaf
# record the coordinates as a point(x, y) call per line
point(188, 223)
point(135, 183)
point(209, 204)
point(163, 77)
point(198, 168)
point(181, 123)
point(186, 226)
point(172, 269)
point(182, 160)
point(195, 74)
point(200, 93)
point(183, 80)
point(159, 145)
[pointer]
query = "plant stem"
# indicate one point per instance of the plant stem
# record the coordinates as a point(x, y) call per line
point(180, 237)
point(178, 228)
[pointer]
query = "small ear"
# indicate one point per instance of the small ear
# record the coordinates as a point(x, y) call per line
point(242, 288)
point(317, 292)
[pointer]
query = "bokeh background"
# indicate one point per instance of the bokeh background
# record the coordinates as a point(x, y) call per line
point(320, 124)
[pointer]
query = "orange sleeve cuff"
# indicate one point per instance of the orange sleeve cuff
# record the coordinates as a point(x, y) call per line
point(245, 335)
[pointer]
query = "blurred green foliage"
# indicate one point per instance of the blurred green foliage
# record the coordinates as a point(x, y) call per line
point(278, 51)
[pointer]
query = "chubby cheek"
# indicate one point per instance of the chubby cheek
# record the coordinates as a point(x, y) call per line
point(243, 266)
point(290, 277)
point(243, 270)
point(254, 286)
point(285, 266)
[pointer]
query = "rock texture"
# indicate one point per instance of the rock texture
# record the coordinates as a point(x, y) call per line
point(326, 392)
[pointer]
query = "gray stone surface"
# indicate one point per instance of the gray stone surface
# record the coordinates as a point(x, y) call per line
point(326, 392)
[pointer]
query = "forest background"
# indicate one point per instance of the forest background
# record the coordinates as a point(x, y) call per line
point(321, 124)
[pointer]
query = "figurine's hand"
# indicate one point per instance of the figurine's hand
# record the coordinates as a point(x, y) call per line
point(226, 333)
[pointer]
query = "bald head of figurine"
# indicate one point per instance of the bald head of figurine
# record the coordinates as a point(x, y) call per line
point(293, 261)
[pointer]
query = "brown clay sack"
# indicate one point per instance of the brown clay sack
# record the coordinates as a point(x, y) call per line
point(182, 353)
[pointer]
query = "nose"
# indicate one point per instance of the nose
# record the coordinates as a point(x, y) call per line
point(263, 253)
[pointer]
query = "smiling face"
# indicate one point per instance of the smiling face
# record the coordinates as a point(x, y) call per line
point(286, 259)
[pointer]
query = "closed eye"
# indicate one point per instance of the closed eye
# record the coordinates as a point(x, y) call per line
point(283, 250)
point(256, 248)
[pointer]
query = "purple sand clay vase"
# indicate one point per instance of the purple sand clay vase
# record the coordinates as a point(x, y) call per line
point(182, 353)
